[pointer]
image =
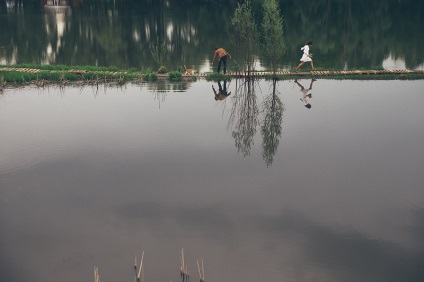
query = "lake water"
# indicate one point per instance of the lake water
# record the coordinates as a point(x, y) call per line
point(257, 185)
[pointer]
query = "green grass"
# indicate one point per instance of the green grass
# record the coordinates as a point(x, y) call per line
point(60, 74)
point(213, 76)
point(175, 75)
point(410, 76)
point(62, 67)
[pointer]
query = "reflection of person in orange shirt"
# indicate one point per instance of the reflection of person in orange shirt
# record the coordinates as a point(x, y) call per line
point(222, 55)
point(222, 92)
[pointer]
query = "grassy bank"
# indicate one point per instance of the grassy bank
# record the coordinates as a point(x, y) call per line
point(21, 74)
point(42, 74)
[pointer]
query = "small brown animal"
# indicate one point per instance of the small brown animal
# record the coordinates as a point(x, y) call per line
point(189, 71)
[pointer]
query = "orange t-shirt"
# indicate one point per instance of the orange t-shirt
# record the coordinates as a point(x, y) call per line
point(220, 52)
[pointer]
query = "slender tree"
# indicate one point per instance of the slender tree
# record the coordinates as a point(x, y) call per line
point(273, 47)
point(245, 34)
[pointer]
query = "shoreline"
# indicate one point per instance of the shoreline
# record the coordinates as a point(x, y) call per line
point(44, 74)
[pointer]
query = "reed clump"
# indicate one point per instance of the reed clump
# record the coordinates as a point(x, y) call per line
point(41, 75)
point(27, 73)
point(217, 77)
point(139, 269)
point(175, 75)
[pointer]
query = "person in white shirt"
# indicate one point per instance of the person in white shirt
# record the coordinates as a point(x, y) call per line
point(306, 56)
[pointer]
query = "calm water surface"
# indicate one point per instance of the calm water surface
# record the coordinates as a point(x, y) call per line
point(257, 185)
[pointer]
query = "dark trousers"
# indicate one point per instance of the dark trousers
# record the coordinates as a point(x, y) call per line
point(223, 60)
point(223, 91)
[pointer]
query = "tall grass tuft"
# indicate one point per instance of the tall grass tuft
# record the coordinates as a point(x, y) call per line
point(175, 75)
point(213, 76)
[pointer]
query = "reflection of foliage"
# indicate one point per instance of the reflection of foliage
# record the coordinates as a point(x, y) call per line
point(159, 51)
point(273, 47)
point(244, 119)
point(245, 115)
point(245, 34)
point(271, 127)
point(356, 34)
point(110, 39)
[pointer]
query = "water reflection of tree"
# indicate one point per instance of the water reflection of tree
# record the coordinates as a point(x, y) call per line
point(244, 116)
point(273, 109)
point(244, 119)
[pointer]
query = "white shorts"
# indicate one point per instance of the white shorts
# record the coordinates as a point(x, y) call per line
point(305, 58)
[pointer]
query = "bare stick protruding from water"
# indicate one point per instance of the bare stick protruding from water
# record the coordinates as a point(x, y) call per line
point(140, 271)
point(182, 268)
point(96, 274)
point(187, 274)
point(135, 267)
point(201, 271)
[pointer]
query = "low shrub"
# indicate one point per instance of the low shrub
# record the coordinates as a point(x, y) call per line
point(162, 69)
point(213, 76)
point(149, 76)
point(153, 76)
point(181, 69)
point(175, 75)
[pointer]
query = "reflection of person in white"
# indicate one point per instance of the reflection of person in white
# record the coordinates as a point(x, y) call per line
point(306, 93)
point(306, 56)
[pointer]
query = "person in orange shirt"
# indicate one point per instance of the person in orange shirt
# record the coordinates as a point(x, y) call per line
point(222, 55)
point(222, 93)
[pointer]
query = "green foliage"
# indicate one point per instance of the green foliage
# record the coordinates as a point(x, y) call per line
point(273, 47)
point(181, 69)
point(153, 76)
point(175, 75)
point(149, 75)
point(159, 51)
point(22, 77)
point(146, 71)
point(213, 76)
point(62, 67)
point(162, 69)
point(245, 34)
point(17, 77)
point(346, 34)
